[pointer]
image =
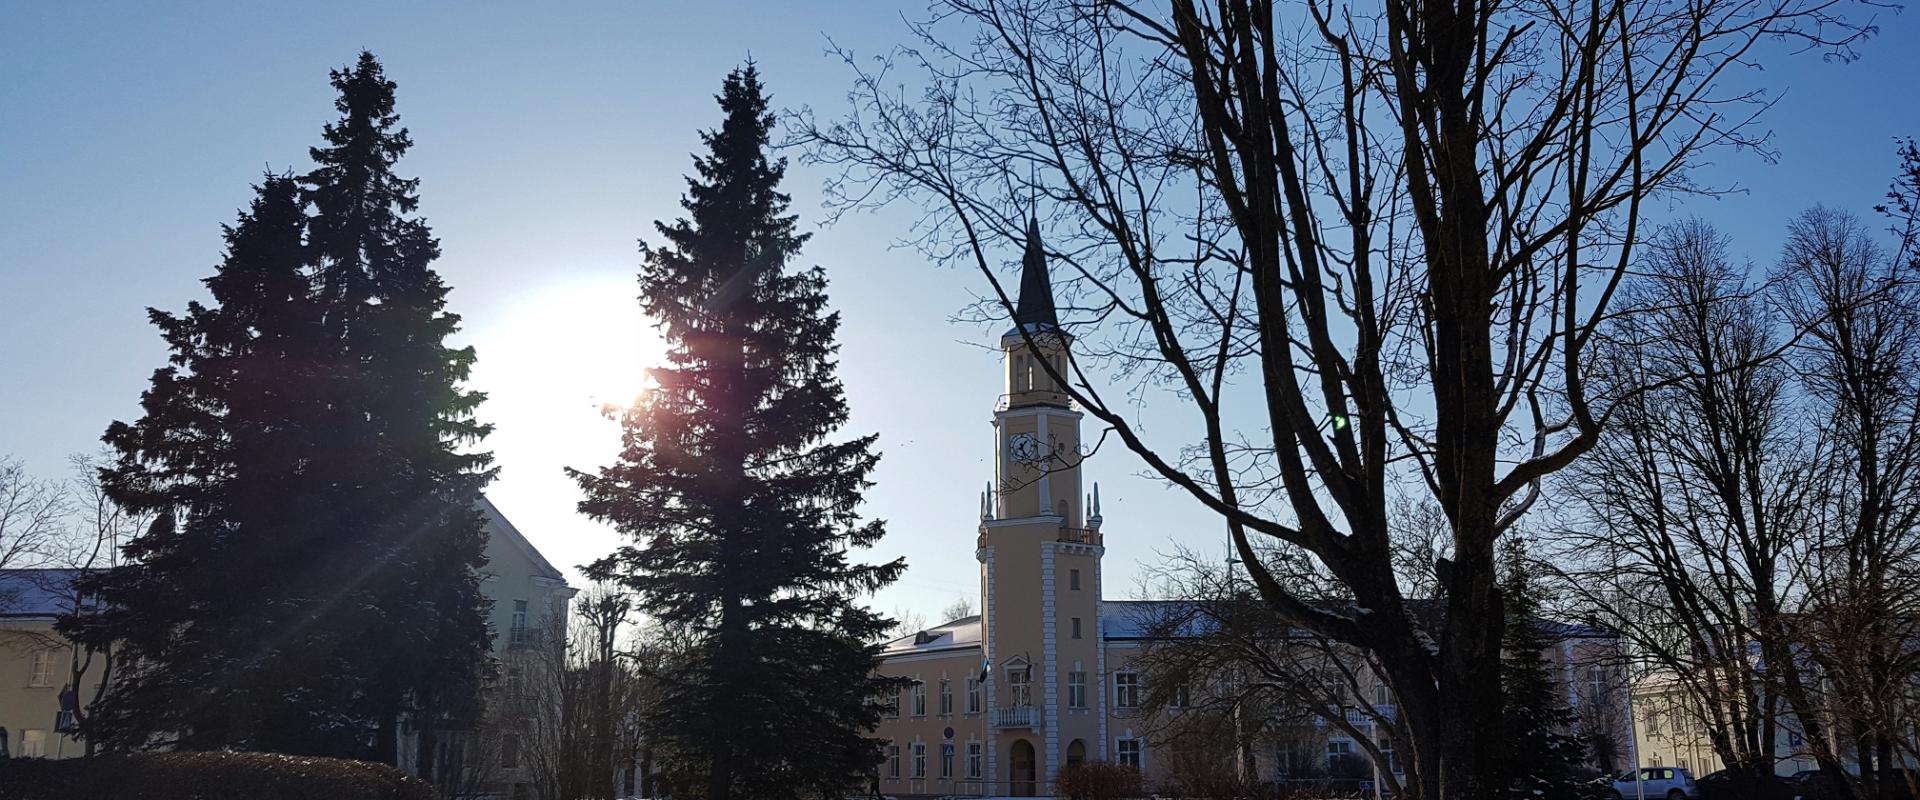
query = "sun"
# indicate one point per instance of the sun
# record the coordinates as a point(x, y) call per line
point(585, 340)
point(557, 356)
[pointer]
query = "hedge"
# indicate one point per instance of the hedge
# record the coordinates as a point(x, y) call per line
point(206, 776)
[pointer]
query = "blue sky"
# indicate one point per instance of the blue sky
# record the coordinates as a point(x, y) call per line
point(548, 138)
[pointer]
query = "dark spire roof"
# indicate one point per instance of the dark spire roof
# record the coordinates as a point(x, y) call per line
point(1035, 307)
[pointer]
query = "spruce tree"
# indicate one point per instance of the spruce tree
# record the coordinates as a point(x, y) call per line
point(413, 541)
point(741, 514)
point(314, 578)
point(1543, 756)
point(207, 613)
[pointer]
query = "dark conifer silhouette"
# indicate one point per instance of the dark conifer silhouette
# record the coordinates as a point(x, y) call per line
point(313, 578)
point(742, 516)
point(416, 541)
point(1543, 755)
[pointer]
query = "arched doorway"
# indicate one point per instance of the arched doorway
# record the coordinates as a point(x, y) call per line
point(1076, 752)
point(1020, 768)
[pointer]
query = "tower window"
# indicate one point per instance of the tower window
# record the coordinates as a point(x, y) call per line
point(1076, 627)
point(1073, 579)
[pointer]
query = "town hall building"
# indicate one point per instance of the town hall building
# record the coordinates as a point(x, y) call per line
point(1043, 678)
point(1001, 701)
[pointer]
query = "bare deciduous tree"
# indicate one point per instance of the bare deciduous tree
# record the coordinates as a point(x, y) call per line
point(1694, 507)
point(33, 517)
point(1364, 245)
point(1860, 361)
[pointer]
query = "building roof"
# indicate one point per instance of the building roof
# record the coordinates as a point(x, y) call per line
point(1034, 311)
point(960, 634)
point(35, 593)
point(1136, 620)
point(512, 535)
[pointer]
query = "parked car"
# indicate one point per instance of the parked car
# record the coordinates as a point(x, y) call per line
point(1657, 783)
point(1815, 785)
point(1725, 785)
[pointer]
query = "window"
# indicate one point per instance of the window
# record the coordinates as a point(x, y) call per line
point(1073, 579)
point(946, 696)
point(1338, 751)
point(1393, 761)
point(1076, 627)
point(1017, 681)
point(973, 760)
point(1076, 690)
point(973, 695)
point(919, 759)
point(40, 673)
point(517, 634)
point(1181, 698)
point(33, 743)
point(919, 691)
point(1129, 752)
point(893, 706)
point(946, 759)
point(893, 761)
point(1597, 680)
point(1126, 690)
point(509, 751)
point(1653, 722)
point(1382, 695)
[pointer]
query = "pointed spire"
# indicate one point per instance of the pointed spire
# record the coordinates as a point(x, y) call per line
point(1035, 307)
point(1094, 519)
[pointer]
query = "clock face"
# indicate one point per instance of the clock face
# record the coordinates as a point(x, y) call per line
point(1025, 447)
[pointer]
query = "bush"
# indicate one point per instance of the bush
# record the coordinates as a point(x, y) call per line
point(206, 776)
point(1097, 780)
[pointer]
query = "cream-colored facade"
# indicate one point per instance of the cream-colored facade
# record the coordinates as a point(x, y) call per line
point(1002, 700)
point(42, 675)
point(1043, 677)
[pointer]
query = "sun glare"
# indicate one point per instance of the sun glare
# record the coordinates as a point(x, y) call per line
point(564, 352)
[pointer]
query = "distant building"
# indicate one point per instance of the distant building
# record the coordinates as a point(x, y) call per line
point(1045, 676)
point(530, 600)
point(43, 677)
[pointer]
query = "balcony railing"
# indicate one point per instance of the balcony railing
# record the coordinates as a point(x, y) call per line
point(1080, 535)
point(1034, 397)
point(1016, 717)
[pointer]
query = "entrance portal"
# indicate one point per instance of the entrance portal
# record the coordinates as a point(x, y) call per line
point(1020, 771)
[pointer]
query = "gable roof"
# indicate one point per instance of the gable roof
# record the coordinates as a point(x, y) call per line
point(504, 528)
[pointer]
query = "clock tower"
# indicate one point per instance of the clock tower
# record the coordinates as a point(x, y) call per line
point(1039, 550)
